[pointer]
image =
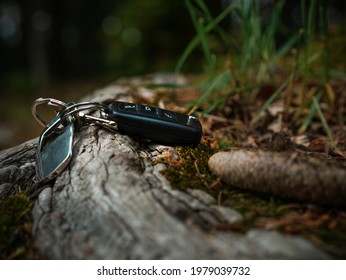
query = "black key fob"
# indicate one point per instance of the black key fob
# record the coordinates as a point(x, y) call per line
point(158, 125)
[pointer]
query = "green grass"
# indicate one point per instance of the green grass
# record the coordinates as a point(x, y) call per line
point(250, 56)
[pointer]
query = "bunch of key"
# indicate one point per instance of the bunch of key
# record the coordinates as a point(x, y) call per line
point(55, 144)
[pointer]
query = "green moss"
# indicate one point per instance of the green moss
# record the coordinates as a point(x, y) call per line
point(15, 226)
point(336, 238)
point(253, 204)
point(191, 169)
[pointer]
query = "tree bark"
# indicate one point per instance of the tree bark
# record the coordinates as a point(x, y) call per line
point(112, 202)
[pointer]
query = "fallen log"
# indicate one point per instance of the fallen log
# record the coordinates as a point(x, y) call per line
point(112, 202)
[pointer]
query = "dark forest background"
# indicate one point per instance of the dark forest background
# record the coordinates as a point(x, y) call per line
point(46, 40)
point(65, 49)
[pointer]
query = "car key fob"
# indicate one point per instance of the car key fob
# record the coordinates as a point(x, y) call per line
point(158, 125)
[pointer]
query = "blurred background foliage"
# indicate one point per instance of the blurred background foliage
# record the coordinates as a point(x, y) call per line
point(48, 40)
point(65, 49)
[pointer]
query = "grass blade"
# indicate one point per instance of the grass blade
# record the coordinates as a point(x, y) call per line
point(204, 8)
point(216, 83)
point(323, 120)
point(275, 94)
point(287, 46)
point(196, 40)
point(309, 117)
point(198, 23)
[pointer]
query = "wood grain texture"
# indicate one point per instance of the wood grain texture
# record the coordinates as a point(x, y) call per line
point(17, 168)
point(112, 202)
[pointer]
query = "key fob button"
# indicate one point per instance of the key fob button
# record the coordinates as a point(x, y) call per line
point(193, 121)
point(128, 107)
point(167, 115)
point(147, 110)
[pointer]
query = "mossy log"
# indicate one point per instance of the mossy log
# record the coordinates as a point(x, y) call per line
point(112, 202)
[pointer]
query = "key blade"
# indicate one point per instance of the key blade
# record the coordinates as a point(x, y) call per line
point(104, 122)
point(55, 153)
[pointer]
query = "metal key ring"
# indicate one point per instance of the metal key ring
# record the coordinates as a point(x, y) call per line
point(71, 111)
point(48, 101)
point(82, 106)
point(75, 114)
